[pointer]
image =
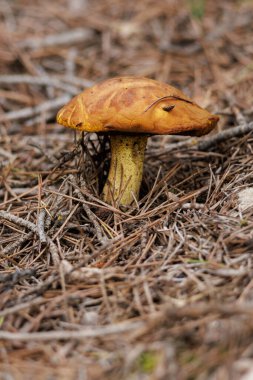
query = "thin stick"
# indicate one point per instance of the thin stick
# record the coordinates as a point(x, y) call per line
point(32, 111)
point(208, 142)
point(14, 309)
point(40, 226)
point(31, 226)
point(239, 131)
point(167, 97)
point(16, 243)
point(90, 214)
point(69, 37)
point(115, 328)
point(12, 278)
point(42, 81)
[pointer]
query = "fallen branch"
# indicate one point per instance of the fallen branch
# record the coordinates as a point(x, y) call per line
point(99, 232)
point(32, 111)
point(116, 328)
point(206, 143)
point(91, 275)
point(25, 305)
point(17, 243)
point(41, 81)
point(239, 131)
point(16, 276)
point(31, 226)
point(40, 226)
point(64, 38)
point(70, 84)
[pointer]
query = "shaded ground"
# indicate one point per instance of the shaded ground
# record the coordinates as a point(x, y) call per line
point(163, 290)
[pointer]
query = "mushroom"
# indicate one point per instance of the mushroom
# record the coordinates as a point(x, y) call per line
point(130, 109)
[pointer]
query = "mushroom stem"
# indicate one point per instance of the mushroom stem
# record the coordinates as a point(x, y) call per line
point(126, 168)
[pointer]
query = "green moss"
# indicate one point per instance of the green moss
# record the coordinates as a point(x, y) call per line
point(243, 222)
point(197, 8)
point(1, 321)
point(148, 361)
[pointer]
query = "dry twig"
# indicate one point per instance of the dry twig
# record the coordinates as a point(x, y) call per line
point(32, 111)
point(31, 226)
point(222, 136)
point(100, 235)
point(98, 332)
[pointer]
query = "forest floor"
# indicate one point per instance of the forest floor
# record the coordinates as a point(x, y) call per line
point(163, 289)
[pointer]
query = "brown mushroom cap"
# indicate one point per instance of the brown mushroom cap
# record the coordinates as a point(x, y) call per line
point(136, 105)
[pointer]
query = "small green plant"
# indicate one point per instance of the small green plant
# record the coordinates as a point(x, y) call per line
point(1, 321)
point(197, 8)
point(243, 222)
point(147, 361)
